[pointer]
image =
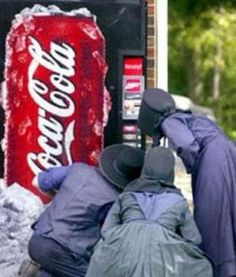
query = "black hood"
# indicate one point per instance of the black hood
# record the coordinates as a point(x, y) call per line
point(158, 172)
point(159, 165)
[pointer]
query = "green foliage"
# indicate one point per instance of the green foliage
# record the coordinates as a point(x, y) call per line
point(202, 56)
point(227, 119)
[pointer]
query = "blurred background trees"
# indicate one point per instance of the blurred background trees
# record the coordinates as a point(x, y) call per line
point(202, 56)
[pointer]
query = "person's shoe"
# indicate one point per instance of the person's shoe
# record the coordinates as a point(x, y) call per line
point(29, 268)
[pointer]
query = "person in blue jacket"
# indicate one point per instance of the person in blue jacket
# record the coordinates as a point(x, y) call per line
point(210, 157)
point(149, 231)
point(66, 232)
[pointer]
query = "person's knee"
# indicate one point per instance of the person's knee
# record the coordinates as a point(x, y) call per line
point(39, 249)
point(31, 248)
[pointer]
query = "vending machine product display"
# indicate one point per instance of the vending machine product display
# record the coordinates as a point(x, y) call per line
point(133, 86)
point(132, 90)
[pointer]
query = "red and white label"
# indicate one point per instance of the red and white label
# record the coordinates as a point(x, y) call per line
point(133, 66)
point(55, 96)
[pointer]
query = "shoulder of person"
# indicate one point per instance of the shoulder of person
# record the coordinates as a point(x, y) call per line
point(83, 166)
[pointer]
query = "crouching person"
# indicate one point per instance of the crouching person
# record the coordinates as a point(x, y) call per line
point(66, 232)
point(149, 231)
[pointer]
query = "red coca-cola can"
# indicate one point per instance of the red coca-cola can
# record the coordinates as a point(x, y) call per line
point(54, 78)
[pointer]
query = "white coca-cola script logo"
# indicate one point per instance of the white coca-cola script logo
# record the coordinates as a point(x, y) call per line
point(60, 62)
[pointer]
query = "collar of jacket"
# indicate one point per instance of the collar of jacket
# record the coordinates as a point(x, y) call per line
point(153, 186)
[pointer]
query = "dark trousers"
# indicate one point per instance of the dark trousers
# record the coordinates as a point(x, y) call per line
point(55, 260)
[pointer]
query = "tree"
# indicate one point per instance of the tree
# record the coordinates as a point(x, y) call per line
point(202, 59)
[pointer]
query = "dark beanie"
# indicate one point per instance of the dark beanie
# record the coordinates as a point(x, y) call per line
point(156, 105)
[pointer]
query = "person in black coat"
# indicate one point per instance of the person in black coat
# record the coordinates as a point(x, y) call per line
point(149, 230)
point(66, 232)
point(210, 157)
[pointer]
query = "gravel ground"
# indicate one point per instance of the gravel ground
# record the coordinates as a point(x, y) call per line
point(19, 208)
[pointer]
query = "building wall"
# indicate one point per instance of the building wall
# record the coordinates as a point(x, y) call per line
point(151, 43)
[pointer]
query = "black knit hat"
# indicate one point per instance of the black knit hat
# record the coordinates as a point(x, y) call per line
point(156, 104)
point(121, 164)
point(159, 164)
point(157, 175)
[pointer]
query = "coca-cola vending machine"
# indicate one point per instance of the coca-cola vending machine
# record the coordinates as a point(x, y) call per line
point(104, 52)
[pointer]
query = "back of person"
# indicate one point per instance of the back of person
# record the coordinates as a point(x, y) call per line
point(78, 201)
point(165, 209)
point(202, 128)
point(156, 237)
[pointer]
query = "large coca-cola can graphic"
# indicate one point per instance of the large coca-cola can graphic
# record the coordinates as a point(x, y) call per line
point(54, 78)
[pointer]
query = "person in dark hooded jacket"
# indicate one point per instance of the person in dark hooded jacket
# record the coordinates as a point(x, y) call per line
point(66, 232)
point(149, 230)
point(210, 157)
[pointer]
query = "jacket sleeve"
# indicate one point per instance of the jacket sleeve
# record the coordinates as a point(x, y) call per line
point(188, 227)
point(113, 218)
point(182, 140)
point(52, 178)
